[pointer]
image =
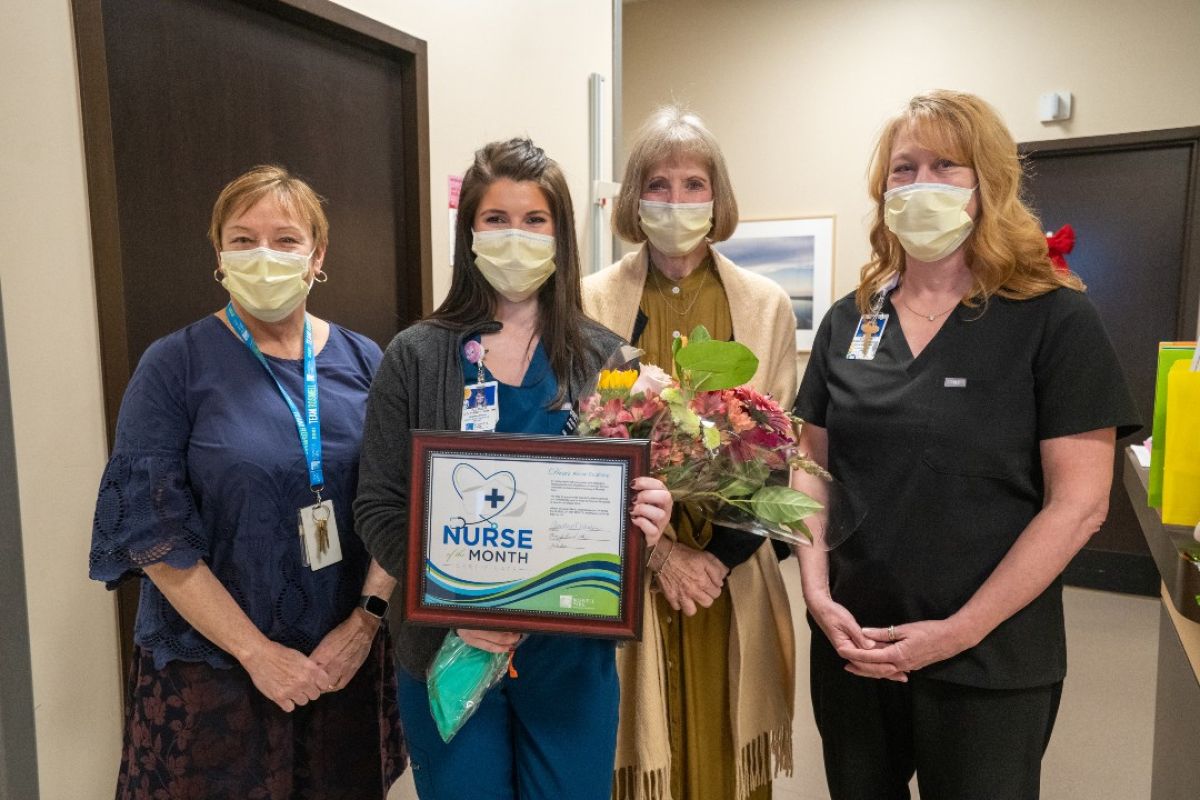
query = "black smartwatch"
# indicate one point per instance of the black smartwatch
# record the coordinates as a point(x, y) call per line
point(373, 605)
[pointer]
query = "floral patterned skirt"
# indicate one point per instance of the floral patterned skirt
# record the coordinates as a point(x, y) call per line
point(194, 731)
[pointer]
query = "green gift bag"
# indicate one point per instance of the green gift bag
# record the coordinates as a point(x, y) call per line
point(1168, 354)
point(459, 677)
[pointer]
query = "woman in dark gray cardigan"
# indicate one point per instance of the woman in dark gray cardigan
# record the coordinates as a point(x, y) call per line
point(513, 320)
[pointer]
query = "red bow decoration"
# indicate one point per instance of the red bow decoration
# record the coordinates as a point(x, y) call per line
point(1059, 244)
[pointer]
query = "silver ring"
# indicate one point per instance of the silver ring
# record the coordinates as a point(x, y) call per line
point(891, 633)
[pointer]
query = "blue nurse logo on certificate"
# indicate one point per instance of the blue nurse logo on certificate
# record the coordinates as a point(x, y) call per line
point(553, 549)
point(485, 497)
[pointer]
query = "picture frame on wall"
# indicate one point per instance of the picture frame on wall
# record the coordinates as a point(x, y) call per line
point(795, 253)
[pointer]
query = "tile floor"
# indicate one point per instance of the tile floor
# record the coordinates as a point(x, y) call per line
point(1104, 735)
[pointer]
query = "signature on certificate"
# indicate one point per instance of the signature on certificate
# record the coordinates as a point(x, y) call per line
point(576, 535)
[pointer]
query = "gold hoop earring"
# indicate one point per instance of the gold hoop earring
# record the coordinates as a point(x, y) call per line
point(217, 274)
point(321, 277)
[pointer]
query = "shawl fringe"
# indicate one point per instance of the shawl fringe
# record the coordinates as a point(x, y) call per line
point(632, 783)
point(760, 761)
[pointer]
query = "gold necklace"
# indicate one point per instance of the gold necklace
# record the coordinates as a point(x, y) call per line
point(657, 285)
point(930, 317)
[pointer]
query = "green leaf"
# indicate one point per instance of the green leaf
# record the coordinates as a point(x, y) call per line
point(699, 334)
point(752, 474)
point(717, 365)
point(783, 505)
point(755, 471)
point(737, 486)
point(744, 479)
point(687, 420)
point(801, 528)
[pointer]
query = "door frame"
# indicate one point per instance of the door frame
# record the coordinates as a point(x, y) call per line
point(1135, 573)
point(1189, 286)
point(322, 17)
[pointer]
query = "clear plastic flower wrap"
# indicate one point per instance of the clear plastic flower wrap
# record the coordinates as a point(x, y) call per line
point(458, 678)
point(718, 444)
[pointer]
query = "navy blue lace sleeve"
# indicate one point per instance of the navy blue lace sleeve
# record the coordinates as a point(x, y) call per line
point(145, 513)
point(207, 466)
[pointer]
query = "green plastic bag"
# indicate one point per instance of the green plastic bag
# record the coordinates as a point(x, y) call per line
point(1168, 354)
point(459, 677)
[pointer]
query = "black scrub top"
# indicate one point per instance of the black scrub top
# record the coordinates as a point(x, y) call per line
point(943, 450)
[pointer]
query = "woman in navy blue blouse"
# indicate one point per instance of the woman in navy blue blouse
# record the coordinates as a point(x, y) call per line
point(259, 669)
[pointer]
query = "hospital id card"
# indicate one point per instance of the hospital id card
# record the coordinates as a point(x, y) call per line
point(866, 338)
point(481, 407)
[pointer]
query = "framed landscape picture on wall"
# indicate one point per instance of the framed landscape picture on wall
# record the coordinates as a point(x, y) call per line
point(795, 253)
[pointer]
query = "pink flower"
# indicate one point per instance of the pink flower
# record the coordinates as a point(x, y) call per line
point(740, 451)
point(649, 407)
point(603, 415)
point(651, 380)
point(709, 405)
point(765, 411)
point(739, 417)
point(614, 410)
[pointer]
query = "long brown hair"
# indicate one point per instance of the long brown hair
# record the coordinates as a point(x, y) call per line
point(472, 300)
point(1006, 252)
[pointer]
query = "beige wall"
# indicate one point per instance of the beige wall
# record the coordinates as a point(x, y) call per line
point(53, 360)
point(797, 91)
point(514, 77)
point(498, 70)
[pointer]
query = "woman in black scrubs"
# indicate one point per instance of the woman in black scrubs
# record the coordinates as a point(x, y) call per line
point(968, 395)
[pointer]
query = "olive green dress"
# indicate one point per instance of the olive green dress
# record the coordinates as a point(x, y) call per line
point(696, 648)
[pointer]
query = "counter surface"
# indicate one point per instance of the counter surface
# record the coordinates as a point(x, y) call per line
point(1177, 556)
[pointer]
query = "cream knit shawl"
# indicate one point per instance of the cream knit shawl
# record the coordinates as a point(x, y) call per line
point(761, 643)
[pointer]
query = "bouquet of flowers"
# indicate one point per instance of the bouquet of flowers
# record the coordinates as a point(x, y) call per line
point(713, 441)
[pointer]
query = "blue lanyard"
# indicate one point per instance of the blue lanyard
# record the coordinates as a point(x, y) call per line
point(309, 425)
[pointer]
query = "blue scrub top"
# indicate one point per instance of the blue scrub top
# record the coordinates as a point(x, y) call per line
point(523, 408)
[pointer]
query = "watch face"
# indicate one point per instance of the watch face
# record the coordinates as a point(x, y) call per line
point(375, 606)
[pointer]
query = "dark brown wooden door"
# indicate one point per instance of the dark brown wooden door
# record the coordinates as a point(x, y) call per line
point(1127, 197)
point(180, 96)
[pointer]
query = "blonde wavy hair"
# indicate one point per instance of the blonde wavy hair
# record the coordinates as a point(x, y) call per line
point(295, 196)
point(1006, 252)
point(671, 132)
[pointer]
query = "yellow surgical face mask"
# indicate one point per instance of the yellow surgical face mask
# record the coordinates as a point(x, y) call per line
point(929, 219)
point(269, 284)
point(675, 229)
point(515, 262)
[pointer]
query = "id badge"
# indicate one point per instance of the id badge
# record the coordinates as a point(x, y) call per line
point(481, 407)
point(319, 541)
point(866, 336)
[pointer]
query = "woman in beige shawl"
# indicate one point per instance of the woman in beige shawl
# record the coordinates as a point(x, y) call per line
point(706, 696)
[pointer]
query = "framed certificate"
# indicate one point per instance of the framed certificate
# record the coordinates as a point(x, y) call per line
point(525, 533)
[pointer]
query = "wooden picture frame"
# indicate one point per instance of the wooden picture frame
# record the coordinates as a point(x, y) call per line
point(525, 533)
